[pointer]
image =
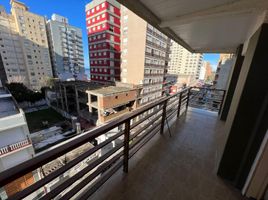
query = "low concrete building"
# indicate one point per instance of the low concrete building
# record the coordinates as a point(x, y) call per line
point(90, 100)
point(109, 102)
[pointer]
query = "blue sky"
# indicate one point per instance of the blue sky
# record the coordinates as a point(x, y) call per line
point(213, 58)
point(74, 10)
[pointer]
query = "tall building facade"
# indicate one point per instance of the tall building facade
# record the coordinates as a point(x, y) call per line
point(224, 69)
point(11, 50)
point(183, 62)
point(144, 55)
point(66, 48)
point(103, 28)
point(209, 75)
point(24, 46)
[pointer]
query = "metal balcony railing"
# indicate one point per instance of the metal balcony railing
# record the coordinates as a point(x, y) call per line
point(134, 130)
point(207, 98)
point(13, 147)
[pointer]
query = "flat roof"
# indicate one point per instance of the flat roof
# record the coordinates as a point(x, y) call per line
point(98, 88)
point(8, 106)
point(110, 90)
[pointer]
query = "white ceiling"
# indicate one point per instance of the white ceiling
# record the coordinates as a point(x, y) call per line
point(203, 25)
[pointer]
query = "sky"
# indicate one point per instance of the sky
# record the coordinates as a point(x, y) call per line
point(213, 58)
point(74, 10)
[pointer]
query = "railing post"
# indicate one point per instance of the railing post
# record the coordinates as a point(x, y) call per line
point(163, 117)
point(188, 98)
point(223, 96)
point(126, 145)
point(179, 106)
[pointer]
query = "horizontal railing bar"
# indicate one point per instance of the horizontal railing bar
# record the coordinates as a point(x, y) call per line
point(100, 182)
point(89, 178)
point(202, 88)
point(138, 140)
point(53, 193)
point(173, 100)
point(144, 127)
point(69, 165)
point(172, 103)
point(136, 148)
point(145, 118)
point(171, 113)
point(21, 169)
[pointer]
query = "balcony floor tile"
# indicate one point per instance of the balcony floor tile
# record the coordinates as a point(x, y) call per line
point(180, 167)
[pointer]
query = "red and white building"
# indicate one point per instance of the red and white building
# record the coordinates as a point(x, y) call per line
point(103, 28)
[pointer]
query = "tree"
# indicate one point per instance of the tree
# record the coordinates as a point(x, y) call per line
point(21, 93)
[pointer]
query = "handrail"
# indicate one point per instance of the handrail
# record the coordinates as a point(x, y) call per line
point(135, 135)
point(42, 159)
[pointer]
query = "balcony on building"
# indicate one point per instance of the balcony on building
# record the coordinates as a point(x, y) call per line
point(198, 143)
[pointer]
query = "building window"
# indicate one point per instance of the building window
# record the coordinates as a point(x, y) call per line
point(111, 28)
point(116, 97)
point(103, 5)
point(103, 15)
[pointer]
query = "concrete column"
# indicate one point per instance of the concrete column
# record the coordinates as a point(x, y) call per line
point(232, 83)
point(77, 100)
point(65, 97)
point(61, 98)
point(247, 120)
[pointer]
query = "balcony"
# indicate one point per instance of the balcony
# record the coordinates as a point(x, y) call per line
point(14, 147)
point(180, 162)
point(182, 166)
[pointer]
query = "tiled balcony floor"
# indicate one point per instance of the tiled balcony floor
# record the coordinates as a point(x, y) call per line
point(181, 167)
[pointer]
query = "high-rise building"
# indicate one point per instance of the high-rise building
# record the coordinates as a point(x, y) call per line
point(3, 76)
point(24, 46)
point(183, 62)
point(145, 55)
point(223, 72)
point(209, 75)
point(103, 28)
point(15, 145)
point(66, 48)
point(11, 50)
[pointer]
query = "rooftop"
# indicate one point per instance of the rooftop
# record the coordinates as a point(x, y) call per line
point(8, 105)
point(110, 90)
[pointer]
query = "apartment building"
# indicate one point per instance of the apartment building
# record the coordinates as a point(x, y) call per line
point(224, 70)
point(15, 145)
point(24, 46)
point(3, 76)
point(103, 28)
point(11, 51)
point(66, 48)
point(145, 55)
point(183, 62)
